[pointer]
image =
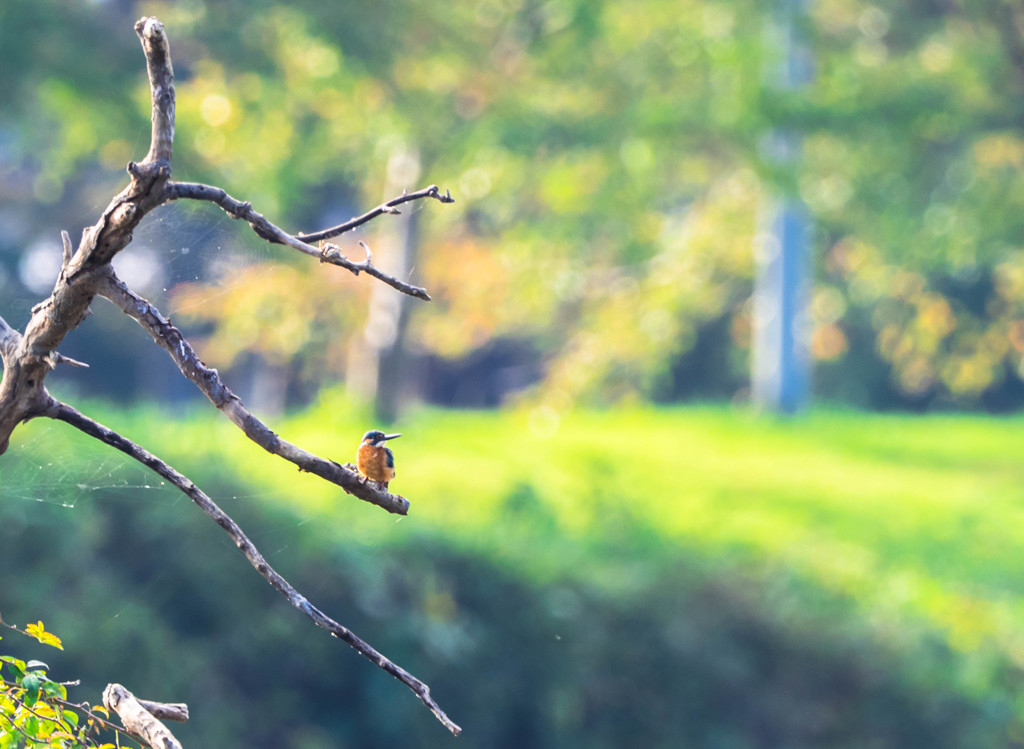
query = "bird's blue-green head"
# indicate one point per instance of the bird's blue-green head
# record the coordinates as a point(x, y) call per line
point(377, 438)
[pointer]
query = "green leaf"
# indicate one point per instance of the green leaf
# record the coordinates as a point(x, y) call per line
point(36, 665)
point(55, 689)
point(14, 666)
point(31, 684)
point(71, 718)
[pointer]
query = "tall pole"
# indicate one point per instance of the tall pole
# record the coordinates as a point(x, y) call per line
point(781, 365)
point(378, 359)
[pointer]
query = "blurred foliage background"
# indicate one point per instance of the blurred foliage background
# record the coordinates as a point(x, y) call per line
point(591, 566)
point(610, 162)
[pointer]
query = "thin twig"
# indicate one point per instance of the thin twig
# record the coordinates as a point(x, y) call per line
point(21, 730)
point(59, 358)
point(69, 415)
point(387, 207)
point(207, 379)
point(268, 231)
point(86, 709)
point(59, 721)
point(69, 250)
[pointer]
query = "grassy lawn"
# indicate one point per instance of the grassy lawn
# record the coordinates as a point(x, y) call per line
point(915, 522)
point(920, 513)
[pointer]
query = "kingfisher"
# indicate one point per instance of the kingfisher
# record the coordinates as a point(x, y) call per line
point(374, 460)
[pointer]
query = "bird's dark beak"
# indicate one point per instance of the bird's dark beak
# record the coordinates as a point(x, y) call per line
point(391, 436)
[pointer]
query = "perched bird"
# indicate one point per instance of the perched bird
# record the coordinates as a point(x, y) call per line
point(375, 461)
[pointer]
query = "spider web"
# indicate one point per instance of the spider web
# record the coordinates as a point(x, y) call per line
point(51, 464)
point(176, 243)
point(51, 467)
point(188, 242)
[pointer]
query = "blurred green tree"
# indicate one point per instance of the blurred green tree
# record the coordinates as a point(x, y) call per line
point(609, 158)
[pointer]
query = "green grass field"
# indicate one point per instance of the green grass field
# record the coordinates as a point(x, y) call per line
point(909, 527)
point(918, 516)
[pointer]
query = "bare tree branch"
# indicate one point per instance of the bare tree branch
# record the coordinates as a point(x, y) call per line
point(161, 84)
point(331, 253)
point(138, 722)
point(328, 254)
point(86, 272)
point(69, 415)
point(170, 339)
point(176, 711)
point(389, 207)
point(59, 358)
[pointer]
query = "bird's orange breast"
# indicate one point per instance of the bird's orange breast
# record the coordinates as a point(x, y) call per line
point(372, 462)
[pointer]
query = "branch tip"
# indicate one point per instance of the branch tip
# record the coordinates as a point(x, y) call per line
point(176, 711)
point(69, 251)
point(149, 27)
point(58, 358)
point(161, 83)
point(386, 207)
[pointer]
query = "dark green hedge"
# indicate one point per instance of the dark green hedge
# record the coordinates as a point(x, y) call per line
point(673, 652)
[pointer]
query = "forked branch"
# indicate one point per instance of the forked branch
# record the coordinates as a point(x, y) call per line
point(86, 272)
point(328, 253)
